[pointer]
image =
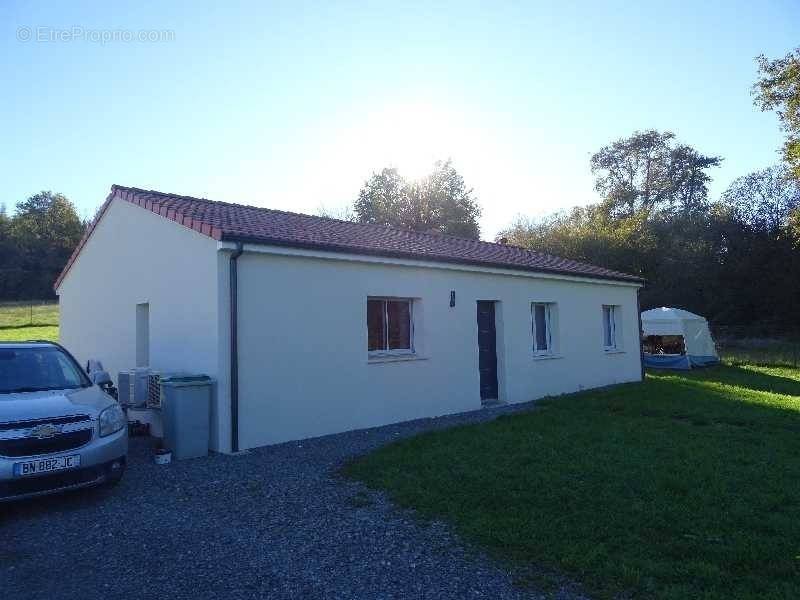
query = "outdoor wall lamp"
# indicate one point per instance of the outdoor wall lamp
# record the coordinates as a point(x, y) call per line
point(452, 298)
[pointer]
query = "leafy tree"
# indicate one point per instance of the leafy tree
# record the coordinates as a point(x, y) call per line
point(440, 201)
point(383, 199)
point(342, 213)
point(793, 227)
point(764, 199)
point(49, 222)
point(778, 89)
point(671, 252)
point(7, 250)
point(35, 244)
point(589, 234)
point(648, 170)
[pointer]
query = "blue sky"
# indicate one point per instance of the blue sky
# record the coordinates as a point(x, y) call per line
point(292, 106)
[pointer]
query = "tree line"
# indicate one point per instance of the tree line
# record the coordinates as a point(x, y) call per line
point(734, 260)
point(35, 244)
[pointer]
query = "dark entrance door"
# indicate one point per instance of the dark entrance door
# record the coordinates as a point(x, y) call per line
point(487, 350)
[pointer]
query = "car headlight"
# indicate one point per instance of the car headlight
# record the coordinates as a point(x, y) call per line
point(112, 419)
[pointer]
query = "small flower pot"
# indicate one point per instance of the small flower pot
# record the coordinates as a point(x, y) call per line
point(163, 456)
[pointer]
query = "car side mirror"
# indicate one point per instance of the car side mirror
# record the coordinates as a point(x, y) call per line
point(93, 365)
point(101, 378)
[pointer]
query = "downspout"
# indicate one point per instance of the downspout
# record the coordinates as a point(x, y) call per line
point(234, 285)
point(639, 316)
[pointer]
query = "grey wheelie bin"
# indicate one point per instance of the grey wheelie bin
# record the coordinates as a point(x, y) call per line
point(185, 408)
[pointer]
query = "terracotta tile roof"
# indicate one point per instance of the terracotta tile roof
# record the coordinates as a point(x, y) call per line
point(239, 223)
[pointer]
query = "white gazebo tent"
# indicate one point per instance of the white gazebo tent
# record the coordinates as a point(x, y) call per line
point(698, 345)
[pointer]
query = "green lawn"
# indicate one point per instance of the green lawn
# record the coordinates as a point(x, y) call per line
point(684, 486)
point(26, 322)
point(766, 351)
point(19, 334)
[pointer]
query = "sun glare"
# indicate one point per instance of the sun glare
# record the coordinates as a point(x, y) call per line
point(411, 137)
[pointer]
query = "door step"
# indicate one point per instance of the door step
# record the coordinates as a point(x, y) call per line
point(490, 402)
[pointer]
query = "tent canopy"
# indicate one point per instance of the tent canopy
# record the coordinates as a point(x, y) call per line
point(668, 321)
point(700, 347)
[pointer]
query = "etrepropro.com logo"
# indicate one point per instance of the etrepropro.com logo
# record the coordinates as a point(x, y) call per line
point(93, 36)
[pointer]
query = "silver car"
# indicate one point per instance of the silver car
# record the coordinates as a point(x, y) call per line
point(58, 430)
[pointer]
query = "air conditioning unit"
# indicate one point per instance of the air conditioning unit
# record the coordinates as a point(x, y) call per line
point(125, 388)
point(133, 387)
point(141, 387)
point(155, 393)
point(154, 389)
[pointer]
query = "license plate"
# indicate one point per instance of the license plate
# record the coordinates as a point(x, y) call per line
point(46, 465)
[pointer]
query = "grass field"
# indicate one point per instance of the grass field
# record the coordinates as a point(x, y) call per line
point(760, 351)
point(28, 321)
point(684, 486)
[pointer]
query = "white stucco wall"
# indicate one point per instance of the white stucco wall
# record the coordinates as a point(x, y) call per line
point(135, 256)
point(303, 364)
point(304, 369)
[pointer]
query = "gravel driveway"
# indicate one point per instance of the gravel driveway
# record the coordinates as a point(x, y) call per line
point(276, 522)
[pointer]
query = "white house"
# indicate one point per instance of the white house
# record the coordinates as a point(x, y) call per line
point(314, 326)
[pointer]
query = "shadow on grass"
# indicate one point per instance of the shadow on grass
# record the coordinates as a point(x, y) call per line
point(686, 485)
point(740, 376)
point(27, 326)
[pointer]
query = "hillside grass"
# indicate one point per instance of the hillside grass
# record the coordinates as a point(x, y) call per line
point(684, 486)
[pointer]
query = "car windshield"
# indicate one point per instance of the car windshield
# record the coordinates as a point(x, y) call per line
point(38, 368)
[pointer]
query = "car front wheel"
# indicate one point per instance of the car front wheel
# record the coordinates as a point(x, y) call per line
point(116, 470)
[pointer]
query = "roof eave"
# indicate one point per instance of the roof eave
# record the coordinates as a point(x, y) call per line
point(631, 279)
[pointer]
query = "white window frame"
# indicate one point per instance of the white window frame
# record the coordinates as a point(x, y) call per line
point(397, 351)
point(548, 322)
point(612, 321)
